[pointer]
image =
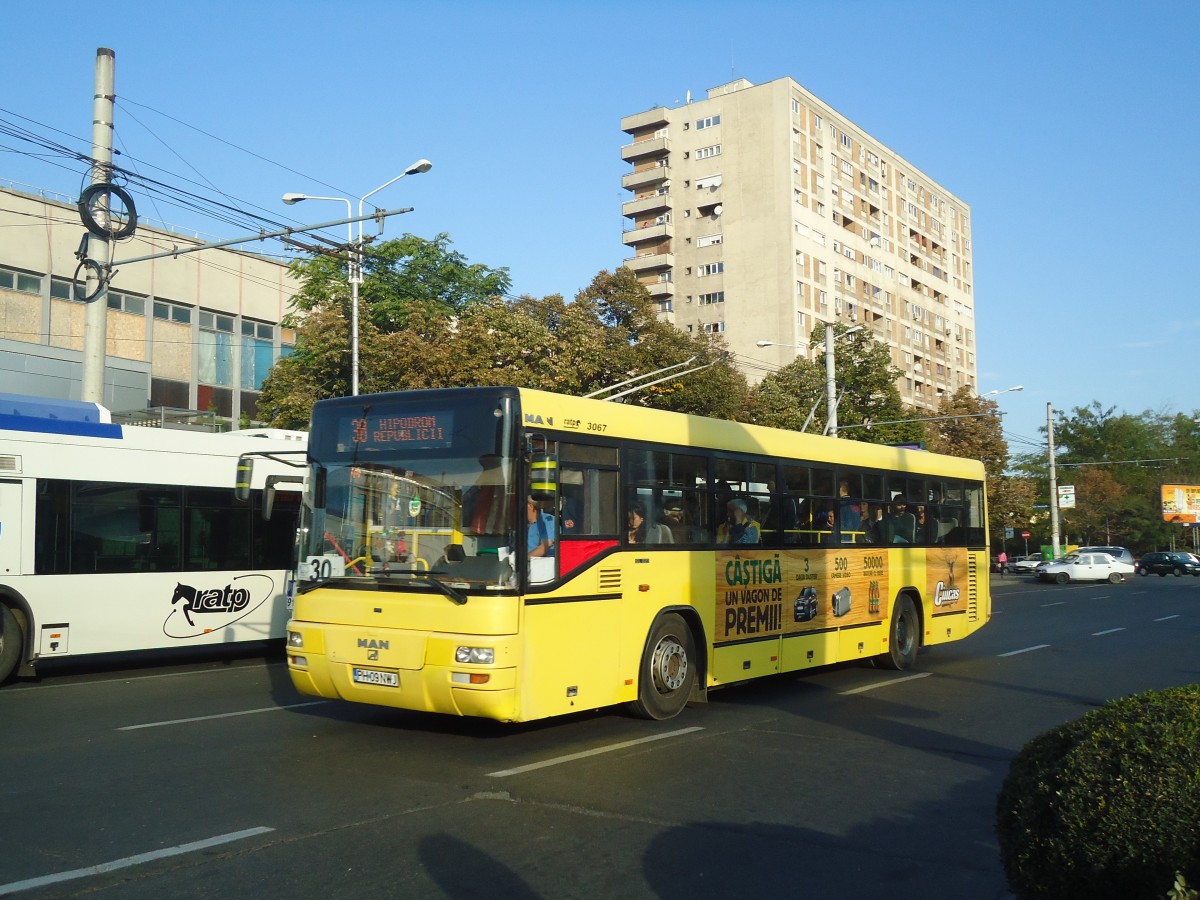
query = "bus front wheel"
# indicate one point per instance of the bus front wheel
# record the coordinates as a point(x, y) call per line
point(903, 636)
point(11, 642)
point(668, 670)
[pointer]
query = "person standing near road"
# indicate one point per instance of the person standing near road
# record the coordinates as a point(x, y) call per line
point(1002, 559)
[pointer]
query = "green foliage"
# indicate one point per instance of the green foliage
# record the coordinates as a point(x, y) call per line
point(1107, 806)
point(1117, 463)
point(866, 387)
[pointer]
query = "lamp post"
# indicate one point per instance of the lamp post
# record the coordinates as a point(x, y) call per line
point(421, 165)
point(831, 423)
point(1019, 387)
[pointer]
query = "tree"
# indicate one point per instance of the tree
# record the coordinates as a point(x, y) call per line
point(411, 288)
point(866, 385)
point(969, 426)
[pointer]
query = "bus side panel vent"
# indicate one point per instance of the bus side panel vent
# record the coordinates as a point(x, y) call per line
point(10, 464)
point(610, 579)
point(972, 590)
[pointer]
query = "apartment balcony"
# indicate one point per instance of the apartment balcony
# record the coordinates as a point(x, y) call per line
point(653, 204)
point(642, 149)
point(646, 178)
point(651, 118)
point(666, 312)
point(651, 262)
point(660, 290)
point(648, 232)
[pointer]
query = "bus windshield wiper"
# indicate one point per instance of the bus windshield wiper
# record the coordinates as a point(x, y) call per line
point(453, 593)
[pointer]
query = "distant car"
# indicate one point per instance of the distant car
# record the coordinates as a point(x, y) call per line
point(1165, 564)
point(1118, 553)
point(1085, 567)
point(1024, 564)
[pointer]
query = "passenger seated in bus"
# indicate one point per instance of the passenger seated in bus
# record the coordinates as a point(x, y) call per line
point(873, 524)
point(541, 535)
point(739, 526)
point(899, 525)
point(673, 519)
point(640, 531)
point(825, 524)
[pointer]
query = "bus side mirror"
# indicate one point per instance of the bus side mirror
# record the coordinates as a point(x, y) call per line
point(241, 484)
point(269, 493)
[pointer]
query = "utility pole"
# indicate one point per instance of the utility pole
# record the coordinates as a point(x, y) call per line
point(95, 322)
point(830, 384)
point(1053, 482)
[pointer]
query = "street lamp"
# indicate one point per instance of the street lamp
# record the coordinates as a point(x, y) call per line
point(1019, 387)
point(421, 165)
point(831, 424)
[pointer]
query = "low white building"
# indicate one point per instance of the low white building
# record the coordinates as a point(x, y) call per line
point(197, 331)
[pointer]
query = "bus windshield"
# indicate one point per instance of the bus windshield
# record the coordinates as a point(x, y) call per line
point(409, 488)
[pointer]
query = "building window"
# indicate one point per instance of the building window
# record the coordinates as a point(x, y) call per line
point(845, 139)
point(172, 312)
point(712, 327)
point(708, 240)
point(61, 289)
point(708, 122)
point(129, 303)
point(711, 269)
point(258, 353)
point(795, 105)
point(706, 152)
point(20, 281)
point(215, 351)
point(711, 298)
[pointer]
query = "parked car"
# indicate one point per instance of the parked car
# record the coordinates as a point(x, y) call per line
point(1165, 564)
point(1081, 566)
point(1025, 564)
point(1118, 553)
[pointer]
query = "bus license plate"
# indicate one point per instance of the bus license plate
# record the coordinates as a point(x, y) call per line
point(374, 676)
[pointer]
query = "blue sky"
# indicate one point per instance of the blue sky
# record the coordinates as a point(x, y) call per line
point(1071, 129)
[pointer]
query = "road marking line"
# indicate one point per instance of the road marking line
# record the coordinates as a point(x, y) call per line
point(1110, 631)
point(1025, 650)
point(1055, 603)
point(880, 684)
point(140, 858)
point(571, 757)
point(1167, 618)
point(244, 712)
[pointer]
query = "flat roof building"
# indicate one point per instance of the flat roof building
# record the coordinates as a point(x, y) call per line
point(760, 211)
point(198, 331)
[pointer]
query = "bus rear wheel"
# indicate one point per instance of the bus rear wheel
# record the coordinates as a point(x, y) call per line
point(668, 670)
point(11, 642)
point(903, 636)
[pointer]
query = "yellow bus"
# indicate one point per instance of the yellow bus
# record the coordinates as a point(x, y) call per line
point(515, 554)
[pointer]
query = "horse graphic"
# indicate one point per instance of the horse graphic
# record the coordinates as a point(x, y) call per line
point(186, 593)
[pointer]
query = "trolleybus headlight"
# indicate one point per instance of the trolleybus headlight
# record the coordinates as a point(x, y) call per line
point(295, 639)
point(480, 655)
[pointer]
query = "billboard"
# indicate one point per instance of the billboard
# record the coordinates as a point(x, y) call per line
point(1181, 503)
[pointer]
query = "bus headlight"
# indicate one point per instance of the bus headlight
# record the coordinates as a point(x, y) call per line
point(295, 639)
point(484, 656)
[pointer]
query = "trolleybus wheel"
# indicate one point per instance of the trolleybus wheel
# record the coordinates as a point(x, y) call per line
point(11, 642)
point(668, 670)
point(903, 636)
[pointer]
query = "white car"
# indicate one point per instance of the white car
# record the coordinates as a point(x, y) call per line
point(1025, 564)
point(1085, 567)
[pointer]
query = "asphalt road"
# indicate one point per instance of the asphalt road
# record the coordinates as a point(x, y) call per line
point(207, 778)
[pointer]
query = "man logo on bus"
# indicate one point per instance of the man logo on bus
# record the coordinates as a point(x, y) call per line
point(205, 610)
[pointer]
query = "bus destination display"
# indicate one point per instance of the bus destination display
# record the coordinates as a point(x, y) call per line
point(418, 431)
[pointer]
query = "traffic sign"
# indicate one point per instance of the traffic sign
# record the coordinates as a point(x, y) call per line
point(1025, 534)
